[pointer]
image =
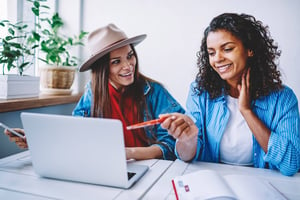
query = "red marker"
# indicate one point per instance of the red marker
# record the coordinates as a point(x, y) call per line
point(147, 123)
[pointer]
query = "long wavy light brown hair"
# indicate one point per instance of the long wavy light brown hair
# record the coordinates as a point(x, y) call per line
point(101, 106)
point(264, 75)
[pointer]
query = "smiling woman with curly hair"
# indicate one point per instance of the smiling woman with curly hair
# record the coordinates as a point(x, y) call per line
point(238, 110)
point(264, 76)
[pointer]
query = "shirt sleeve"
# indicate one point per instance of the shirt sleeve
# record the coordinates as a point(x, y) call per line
point(195, 112)
point(284, 142)
point(160, 101)
point(83, 107)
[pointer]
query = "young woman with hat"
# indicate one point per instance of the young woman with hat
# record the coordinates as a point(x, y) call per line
point(238, 110)
point(118, 90)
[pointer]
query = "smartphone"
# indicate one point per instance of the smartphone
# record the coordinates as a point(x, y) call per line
point(12, 131)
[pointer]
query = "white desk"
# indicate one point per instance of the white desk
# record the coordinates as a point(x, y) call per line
point(18, 181)
point(289, 186)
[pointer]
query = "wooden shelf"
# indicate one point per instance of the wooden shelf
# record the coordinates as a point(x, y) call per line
point(7, 105)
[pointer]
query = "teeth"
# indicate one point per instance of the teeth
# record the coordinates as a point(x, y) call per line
point(223, 68)
point(128, 74)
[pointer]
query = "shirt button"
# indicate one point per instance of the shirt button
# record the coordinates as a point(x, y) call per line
point(254, 154)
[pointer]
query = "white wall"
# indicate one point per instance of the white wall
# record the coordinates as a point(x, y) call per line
point(175, 29)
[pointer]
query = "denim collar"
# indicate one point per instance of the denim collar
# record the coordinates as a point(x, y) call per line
point(147, 88)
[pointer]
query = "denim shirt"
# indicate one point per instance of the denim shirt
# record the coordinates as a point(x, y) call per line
point(158, 101)
point(278, 111)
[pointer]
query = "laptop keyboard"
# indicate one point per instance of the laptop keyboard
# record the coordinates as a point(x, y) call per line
point(130, 175)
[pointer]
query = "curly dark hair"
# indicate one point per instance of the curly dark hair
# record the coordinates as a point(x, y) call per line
point(264, 75)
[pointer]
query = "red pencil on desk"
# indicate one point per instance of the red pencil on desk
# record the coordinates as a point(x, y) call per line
point(147, 123)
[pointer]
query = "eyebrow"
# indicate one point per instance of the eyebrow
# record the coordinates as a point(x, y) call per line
point(208, 48)
point(130, 52)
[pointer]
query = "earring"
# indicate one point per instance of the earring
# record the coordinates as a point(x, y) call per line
point(250, 53)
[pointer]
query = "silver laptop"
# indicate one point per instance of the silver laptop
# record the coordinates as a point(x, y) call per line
point(89, 150)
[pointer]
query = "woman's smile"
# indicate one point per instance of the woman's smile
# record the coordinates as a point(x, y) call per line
point(224, 68)
point(128, 74)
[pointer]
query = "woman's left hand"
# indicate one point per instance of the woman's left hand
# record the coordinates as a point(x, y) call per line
point(129, 153)
point(143, 153)
point(257, 127)
point(244, 92)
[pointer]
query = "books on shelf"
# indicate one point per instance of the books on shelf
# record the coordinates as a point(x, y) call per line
point(208, 184)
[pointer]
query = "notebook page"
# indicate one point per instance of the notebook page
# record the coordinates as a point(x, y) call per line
point(250, 187)
point(202, 184)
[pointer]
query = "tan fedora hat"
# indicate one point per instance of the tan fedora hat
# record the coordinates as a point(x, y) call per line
point(105, 39)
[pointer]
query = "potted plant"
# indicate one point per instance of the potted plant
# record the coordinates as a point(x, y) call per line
point(58, 72)
point(16, 52)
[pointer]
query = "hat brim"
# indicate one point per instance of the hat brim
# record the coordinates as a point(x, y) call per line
point(134, 40)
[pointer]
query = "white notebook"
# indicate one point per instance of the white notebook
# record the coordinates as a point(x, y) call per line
point(208, 184)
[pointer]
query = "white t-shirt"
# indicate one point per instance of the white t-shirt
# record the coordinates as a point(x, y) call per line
point(236, 144)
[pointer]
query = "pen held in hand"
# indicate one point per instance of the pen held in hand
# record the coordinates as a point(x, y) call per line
point(145, 124)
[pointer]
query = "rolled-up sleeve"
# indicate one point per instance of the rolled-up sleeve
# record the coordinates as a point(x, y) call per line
point(160, 101)
point(284, 142)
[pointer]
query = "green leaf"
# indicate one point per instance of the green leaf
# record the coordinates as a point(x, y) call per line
point(16, 45)
point(79, 43)
point(11, 31)
point(38, 26)
point(35, 11)
point(46, 32)
point(56, 22)
point(70, 40)
point(44, 6)
point(23, 64)
point(4, 21)
point(31, 40)
point(36, 4)
point(43, 60)
point(36, 36)
point(35, 46)
point(62, 49)
point(82, 34)
point(8, 38)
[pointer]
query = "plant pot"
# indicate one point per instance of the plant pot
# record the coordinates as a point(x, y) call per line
point(57, 80)
point(14, 86)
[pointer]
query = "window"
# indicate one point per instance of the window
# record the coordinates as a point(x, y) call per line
point(15, 11)
point(20, 10)
point(3, 15)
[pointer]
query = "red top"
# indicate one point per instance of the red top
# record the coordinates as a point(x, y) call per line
point(132, 138)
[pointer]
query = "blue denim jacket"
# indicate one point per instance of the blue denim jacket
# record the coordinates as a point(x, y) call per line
point(278, 111)
point(158, 101)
